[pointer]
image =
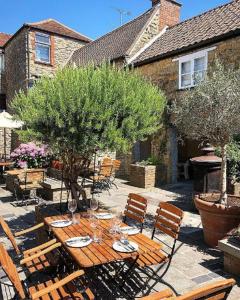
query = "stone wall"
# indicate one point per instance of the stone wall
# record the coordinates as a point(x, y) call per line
point(16, 64)
point(164, 73)
point(61, 50)
point(149, 32)
point(8, 142)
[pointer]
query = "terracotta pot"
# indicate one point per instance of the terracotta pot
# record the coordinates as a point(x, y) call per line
point(217, 219)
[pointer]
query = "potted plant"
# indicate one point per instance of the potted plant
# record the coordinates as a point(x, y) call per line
point(210, 113)
point(28, 156)
point(144, 174)
point(80, 110)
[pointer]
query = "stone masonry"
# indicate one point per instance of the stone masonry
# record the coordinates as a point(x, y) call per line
point(164, 73)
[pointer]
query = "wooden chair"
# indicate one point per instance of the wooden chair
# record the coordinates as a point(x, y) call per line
point(54, 288)
point(136, 209)
point(215, 291)
point(101, 181)
point(168, 220)
point(116, 166)
point(37, 263)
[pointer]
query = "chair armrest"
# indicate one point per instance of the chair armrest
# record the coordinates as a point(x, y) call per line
point(166, 294)
point(40, 247)
point(43, 252)
point(57, 285)
point(29, 229)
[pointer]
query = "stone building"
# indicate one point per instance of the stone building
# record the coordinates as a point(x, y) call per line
point(170, 53)
point(36, 49)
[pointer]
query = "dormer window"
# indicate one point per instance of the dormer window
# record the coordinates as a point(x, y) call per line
point(192, 68)
point(43, 48)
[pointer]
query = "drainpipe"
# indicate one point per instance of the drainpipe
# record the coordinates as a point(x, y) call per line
point(28, 57)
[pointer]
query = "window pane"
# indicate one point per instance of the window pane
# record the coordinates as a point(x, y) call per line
point(45, 39)
point(43, 53)
point(198, 76)
point(186, 67)
point(199, 64)
point(186, 80)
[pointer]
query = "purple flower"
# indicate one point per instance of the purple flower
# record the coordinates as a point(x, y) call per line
point(22, 164)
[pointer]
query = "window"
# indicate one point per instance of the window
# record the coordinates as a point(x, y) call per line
point(192, 68)
point(1, 63)
point(43, 48)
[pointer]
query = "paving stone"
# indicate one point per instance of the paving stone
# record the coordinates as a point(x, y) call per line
point(201, 279)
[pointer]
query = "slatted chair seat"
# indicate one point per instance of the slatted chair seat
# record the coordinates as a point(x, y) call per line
point(152, 259)
point(38, 263)
point(52, 289)
point(29, 186)
point(69, 291)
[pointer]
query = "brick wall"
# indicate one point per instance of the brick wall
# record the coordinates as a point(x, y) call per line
point(164, 73)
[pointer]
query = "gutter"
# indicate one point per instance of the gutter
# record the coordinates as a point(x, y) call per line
point(187, 48)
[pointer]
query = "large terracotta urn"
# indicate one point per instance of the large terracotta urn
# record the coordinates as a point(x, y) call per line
point(217, 219)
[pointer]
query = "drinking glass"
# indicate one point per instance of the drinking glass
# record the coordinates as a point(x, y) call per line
point(94, 204)
point(123, 237)
point(97, 235)
point(72, 206)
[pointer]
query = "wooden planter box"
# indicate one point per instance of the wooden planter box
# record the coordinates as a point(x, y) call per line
point(144, 176)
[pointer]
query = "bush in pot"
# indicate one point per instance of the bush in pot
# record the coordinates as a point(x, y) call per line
point(210, 113)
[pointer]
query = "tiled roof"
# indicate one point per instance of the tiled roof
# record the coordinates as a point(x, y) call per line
point(54, 26)
point(4, 37)
point(215, 23)
point(114, 44)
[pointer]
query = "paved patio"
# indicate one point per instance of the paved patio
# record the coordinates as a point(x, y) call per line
point(193, 264)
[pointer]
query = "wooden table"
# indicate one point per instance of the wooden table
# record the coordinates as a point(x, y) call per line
point(97, 254)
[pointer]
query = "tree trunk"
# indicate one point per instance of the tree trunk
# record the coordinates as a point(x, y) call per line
point(224, 176)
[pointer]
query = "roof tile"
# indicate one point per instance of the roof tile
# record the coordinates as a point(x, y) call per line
point(113, 45)
point(54, 26)
point(211, 24)
point(4, 37)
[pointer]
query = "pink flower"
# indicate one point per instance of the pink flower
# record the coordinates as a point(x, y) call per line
point(22, 164)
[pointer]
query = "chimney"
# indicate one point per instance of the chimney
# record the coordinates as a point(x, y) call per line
point(169, 12)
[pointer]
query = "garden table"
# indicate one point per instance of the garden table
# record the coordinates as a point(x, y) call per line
point(97, 254)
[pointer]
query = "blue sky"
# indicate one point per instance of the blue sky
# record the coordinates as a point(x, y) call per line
point(92, 17)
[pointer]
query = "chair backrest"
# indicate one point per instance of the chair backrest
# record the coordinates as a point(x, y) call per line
point(116, 164)
point(107, 161)
point(11, 271)
point(215, 291)
point(168, 219)
point(9, 234)
point(136, 208)
point(106, 170)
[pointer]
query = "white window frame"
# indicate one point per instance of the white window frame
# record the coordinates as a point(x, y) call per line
point(190, 58)
point(44, 45)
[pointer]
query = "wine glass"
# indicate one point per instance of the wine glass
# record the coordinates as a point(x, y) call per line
point(94, 204)
point(72, 206)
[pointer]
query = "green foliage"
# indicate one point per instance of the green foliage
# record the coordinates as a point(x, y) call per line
point(151, 161)
point(80, 109)
point(233, 157)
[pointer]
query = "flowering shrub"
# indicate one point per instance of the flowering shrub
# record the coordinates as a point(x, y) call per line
point(30, 156)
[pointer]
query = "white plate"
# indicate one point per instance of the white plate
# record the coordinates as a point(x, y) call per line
point(79, 241)
point(130, 230)
point(104, 216)
point(119, 246)
point(61, 223)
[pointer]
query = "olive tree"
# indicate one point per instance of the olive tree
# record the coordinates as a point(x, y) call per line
point(81, 109)
point(210, 112)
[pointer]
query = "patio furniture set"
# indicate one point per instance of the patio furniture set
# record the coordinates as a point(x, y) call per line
point(102, 242)
point(31, 185)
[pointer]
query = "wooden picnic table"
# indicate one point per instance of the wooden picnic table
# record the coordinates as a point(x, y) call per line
point(99, 253)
